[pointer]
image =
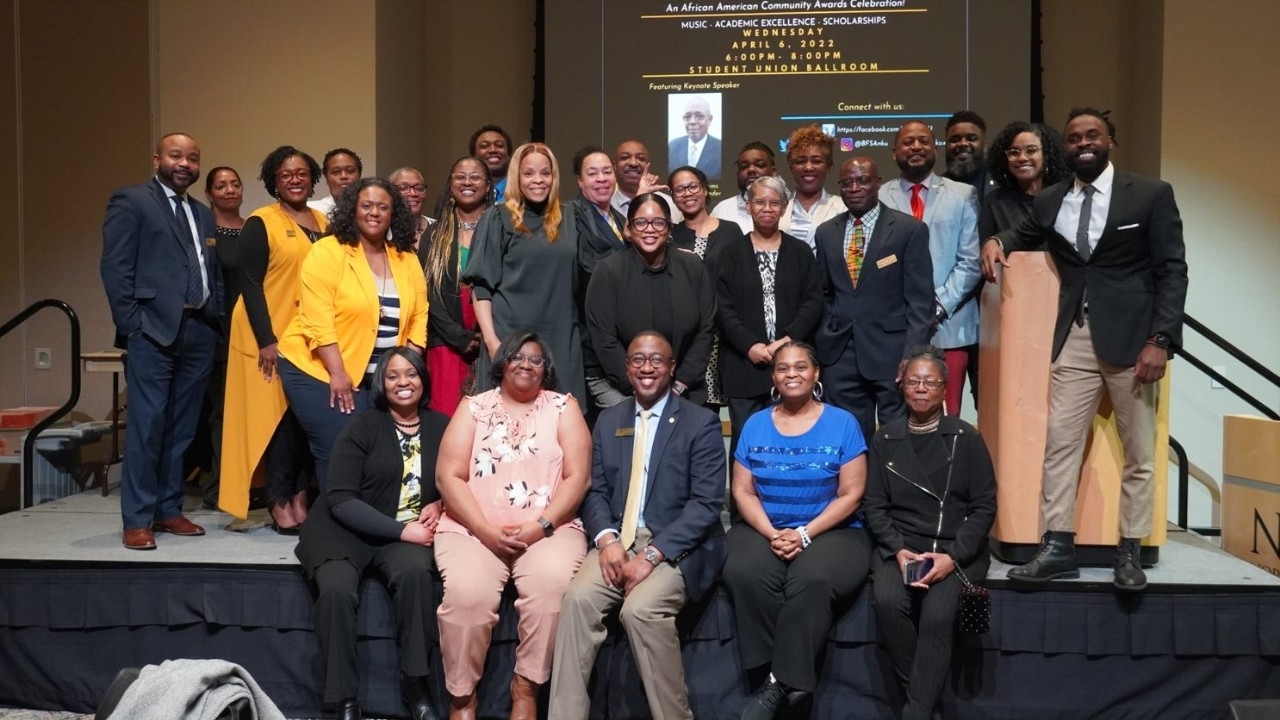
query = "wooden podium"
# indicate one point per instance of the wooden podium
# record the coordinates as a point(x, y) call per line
point(1251, 490)
point(1016, 344)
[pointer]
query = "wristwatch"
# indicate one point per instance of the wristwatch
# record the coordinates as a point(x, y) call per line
point(1160, 340)
point(547, 527)
point(651, 554)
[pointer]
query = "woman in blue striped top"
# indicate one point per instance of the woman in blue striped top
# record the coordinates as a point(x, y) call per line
point(798, 476)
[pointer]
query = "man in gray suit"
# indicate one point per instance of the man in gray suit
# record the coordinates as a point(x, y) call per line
point(950, 209)
point(653, 512)
point(878, 283)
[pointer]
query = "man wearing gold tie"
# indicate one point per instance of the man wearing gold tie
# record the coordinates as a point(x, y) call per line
point(653, 514)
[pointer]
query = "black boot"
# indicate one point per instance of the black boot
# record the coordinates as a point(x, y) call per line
point(1056, 559)
point(347, 710)
point(1128, 567)
point(417, 698)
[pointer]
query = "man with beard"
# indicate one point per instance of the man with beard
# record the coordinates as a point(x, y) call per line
point(1116, 239)
point(631, 167)
point(492, 144)
point(950, 209)
point(696, 147)
point(966, 151)
point(653, 513)
point(160, 271)
point(755, 160)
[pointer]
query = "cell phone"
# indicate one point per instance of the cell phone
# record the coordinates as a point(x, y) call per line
point(915, 570)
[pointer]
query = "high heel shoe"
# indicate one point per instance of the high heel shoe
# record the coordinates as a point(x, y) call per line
point(282, 529)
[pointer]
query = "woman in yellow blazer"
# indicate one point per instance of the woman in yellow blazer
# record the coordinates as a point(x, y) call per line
point(259, 434)
point(362, 294)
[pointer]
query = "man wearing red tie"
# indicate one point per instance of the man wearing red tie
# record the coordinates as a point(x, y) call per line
point(160, 272)
point(1116, 240)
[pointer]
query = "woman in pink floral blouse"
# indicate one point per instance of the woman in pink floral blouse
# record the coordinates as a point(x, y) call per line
point(513, 468)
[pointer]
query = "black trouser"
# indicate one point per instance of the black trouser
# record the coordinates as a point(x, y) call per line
point(917, 628)
point(289, 464)
point(406, 570)
point(864, 398)
point(784, 611)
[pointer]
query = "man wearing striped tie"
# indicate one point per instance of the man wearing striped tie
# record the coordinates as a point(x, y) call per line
point(878, 285)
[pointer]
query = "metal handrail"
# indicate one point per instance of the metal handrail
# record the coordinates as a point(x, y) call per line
point(28, 446)
point(1231, 350)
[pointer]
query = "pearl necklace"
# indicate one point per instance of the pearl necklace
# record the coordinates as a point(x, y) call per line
point(925, 427)
point(406, 426)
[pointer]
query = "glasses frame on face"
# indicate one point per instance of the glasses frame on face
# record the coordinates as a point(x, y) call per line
point(762, 203)
point(534, 361)
point(657, 360)
point(477, 178)
point(690, 188)
point(1031, 151)
point(414, 188)
point(291, 175)
point(658, 224)
point(915, 382)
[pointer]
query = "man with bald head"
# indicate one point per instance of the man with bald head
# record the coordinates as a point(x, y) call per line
point(631, 168)
point(696, 147)
point(950, 209)
point(878, 285)
point(161, 275)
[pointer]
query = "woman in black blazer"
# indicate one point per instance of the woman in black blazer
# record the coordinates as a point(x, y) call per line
point(648, 286)
point(768, 293)
point(380, 511)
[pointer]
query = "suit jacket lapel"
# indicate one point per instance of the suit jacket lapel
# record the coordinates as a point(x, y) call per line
point(1120, 189)
point(937, 195)
point(666, 426)
point(836, 252)
point(167, 209)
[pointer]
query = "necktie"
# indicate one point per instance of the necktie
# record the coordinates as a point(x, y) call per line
point(694, 154)
point(613, 224)
point(856, 246)
point(917, 202)
point(631, 513)
point(195, 281)
point(1082, 229)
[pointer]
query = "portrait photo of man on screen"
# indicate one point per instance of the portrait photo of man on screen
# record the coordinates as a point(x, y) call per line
point(695, 128)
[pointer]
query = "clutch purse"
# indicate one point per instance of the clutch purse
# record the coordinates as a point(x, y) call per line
point(974, 615)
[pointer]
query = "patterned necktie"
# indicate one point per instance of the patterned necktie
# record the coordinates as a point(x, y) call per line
point(631, 513)
point(195, 281)
point(853, 260)
point(917, 202)
point(1082, 229)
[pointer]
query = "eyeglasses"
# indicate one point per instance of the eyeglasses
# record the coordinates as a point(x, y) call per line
point(658, 362)
point(467, 177)
point(700, 117)
point(406, 188)
point(658, 224)
point(686, 189)
point(535, 361)
point(1030, 151)
point(761, 204)
point(915, 382)
point(290, 176)
point(866, 182)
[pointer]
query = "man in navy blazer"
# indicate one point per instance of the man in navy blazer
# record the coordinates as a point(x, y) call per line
point(160, 271)
point(867, 327)
point(697, 121)
point(1116, 240)
point(658, 541)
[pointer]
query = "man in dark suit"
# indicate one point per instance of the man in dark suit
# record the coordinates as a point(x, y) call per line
point(161, 276)
point(878, 283)
point(696, 147)
point(653, 512)
point(1116, 239)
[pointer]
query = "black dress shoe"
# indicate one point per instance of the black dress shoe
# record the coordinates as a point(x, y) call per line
point(417, 698)
point(1056, 559)
point(769, 699)
point(1128, 567)
point(348, 710)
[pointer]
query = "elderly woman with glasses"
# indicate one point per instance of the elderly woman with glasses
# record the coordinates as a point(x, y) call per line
point(646, 286)
point(513, 469)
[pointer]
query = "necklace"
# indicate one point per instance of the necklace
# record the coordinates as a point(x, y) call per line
point(382, 282)
point(468, 224)
point(408, 425)
point(925, 427)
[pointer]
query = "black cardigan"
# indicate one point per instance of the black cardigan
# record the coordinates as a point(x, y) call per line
point(444, 309)
point(366, 466)
point(740, 307)
point(619, 306)
point(902, 515)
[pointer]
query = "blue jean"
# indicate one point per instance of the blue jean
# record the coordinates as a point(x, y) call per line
point(309, 400)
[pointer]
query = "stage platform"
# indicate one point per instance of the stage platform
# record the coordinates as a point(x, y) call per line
point(75, 607)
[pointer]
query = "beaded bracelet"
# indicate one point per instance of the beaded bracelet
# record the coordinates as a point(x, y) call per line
point(805, 541)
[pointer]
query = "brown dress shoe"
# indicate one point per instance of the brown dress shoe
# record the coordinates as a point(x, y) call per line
point(462, 708)
point(178, 526)
point(524, 698)
point(139, 539)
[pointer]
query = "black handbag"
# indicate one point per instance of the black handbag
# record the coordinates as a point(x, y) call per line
point(974, 615)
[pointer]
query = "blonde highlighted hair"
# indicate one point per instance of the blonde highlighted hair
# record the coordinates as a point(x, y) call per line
point(515, 201)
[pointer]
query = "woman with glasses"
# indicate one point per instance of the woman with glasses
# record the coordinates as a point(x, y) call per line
point(413, 188)
point(1024, 159)
point(453, 336)
point(648, 287)
point(768, 293)
point(702, 234)
point(259, 430)
point(514, 465)
point(523, 269)
point(930, 503)
point(800, 550)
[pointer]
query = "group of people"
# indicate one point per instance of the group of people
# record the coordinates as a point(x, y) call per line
point(526, 390)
